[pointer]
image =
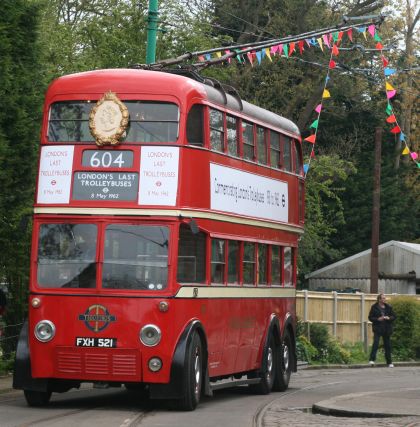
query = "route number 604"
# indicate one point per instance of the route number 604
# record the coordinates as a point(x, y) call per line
point(107, 159)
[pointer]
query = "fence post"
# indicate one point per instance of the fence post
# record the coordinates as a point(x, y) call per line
point(334, 313)
point(365, 342)
point(362, 317)
point(305, 313)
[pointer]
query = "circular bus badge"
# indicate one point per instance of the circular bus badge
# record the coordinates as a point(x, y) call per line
point(97, 318)
point(108, 120)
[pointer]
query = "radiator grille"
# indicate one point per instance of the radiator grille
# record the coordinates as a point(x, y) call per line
point(87, 364)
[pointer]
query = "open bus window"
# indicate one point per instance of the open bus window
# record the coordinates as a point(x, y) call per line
point(288, 267)
point(135, 257)
point(195, 125)
point(287, 154)
point(232, 135)
point(249, 263)
point(233, 262)
point(149, 121)
point(218, 247)
point(262, 264)
point(67, 255)
point(276, 266)
point(191, 256)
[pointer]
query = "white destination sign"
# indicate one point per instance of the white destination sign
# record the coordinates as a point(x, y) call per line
point(55, 171)
point(248, 194)
point(158, 176)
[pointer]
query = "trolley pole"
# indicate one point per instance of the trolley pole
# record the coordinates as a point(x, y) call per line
point(152, 24)
point(374, 257)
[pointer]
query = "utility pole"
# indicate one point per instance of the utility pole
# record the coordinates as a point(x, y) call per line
point(374, 257)
point(152, 24)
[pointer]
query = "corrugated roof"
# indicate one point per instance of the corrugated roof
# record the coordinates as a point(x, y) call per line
point(412, 247)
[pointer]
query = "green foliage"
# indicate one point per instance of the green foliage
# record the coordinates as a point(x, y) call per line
point(6, 364)
point(20, 118)
point(406, 336)
point(305, 350)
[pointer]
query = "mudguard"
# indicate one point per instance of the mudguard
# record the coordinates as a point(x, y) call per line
point(289, 325)
point(22, 377)
point(174, 389)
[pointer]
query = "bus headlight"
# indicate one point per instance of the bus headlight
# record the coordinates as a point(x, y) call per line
point(44, 331)
point(150, 335)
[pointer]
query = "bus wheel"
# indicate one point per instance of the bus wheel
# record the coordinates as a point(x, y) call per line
point(37, 398)
point(193, 379)
point(284, 370)
point(268, 374)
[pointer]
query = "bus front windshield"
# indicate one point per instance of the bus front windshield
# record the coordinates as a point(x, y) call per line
point(134, 256)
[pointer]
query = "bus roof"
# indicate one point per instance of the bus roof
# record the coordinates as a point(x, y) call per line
point(131, 81)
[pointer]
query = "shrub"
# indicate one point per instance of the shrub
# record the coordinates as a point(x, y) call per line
point(305, 350)
point(406, 337)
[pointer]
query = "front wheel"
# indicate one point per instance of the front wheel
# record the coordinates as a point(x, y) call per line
point(284, 370)
point(37, 398)
point(193, 378)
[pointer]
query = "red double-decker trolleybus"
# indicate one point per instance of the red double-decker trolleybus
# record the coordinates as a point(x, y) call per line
point(166, 222)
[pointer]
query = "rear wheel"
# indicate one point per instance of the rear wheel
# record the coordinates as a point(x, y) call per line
point(269, 369)
point(284, 370)
point(193, 378)
point(37, 398)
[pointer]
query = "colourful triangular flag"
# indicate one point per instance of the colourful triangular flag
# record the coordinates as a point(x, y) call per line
point(325, 38)
point(385, 61)
point(372, 29)
point(320, 44)
point(402, 136)
point(332, 64)
point(286, 50)
point(318, 108)
point(388, 108)
point(326, 94)
point(390, 93)
point(219, 54)
point(406, 151)
point(312, 153)
point(414, 155)
point(292, 48)
point(335, 50)
point(305, 168)
point(311, 138)
point(388, 86)
point(391, 119)
point(350, 34)
point(379, 46)
point(258, 57)
point(274, 49)
point(396, 129)
point(267, 52)
point(301, 46)
point(377, 38)
point(314, 124)
point(389, 71)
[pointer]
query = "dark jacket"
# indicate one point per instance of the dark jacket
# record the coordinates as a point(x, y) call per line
point(383, 327)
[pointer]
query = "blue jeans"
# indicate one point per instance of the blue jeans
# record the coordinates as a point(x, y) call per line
point(387, 347)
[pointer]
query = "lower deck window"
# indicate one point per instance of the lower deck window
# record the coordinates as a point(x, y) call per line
point(218, 261)
point(191, 256)
point(67, 256)
point(136, 257)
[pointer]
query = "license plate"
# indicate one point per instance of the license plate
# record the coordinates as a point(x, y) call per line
point(96, 342)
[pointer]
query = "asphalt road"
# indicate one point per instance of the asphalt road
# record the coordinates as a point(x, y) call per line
point(234, 407)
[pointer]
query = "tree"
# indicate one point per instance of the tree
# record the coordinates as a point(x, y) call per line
point(20, 116)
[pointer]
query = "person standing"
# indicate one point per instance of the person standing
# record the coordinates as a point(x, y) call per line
point(382, 316)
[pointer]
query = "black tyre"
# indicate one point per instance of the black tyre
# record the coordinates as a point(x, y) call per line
point(193, 378)
point(269, 369)
point(284, 365)
point(37, 398)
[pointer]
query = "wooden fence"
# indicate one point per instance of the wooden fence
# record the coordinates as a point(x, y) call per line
point(346, 315)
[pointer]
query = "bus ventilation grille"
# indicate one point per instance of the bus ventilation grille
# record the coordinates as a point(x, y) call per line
point(115, 363)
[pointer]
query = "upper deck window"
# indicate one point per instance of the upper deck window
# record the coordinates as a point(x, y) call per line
point(248, 140)
point(195, 125)
point(232, 135)
point(275, 149)
point(217, 135)
point(287, 154)
point(261, 145)
point(149, 121)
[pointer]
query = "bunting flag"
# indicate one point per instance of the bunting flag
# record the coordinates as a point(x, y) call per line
point(314, 124)
point(320, 44)
point(301, 46)
point(332, 64)
point(326, 94)
point(318, 108)
point(311, 138)
point(335, 50)
point(291, 48)
point(267, 52)
point(391, 119)
point(219, 54)
point(350, 34)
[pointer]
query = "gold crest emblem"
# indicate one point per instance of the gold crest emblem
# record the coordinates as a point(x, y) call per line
point(108, 120)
